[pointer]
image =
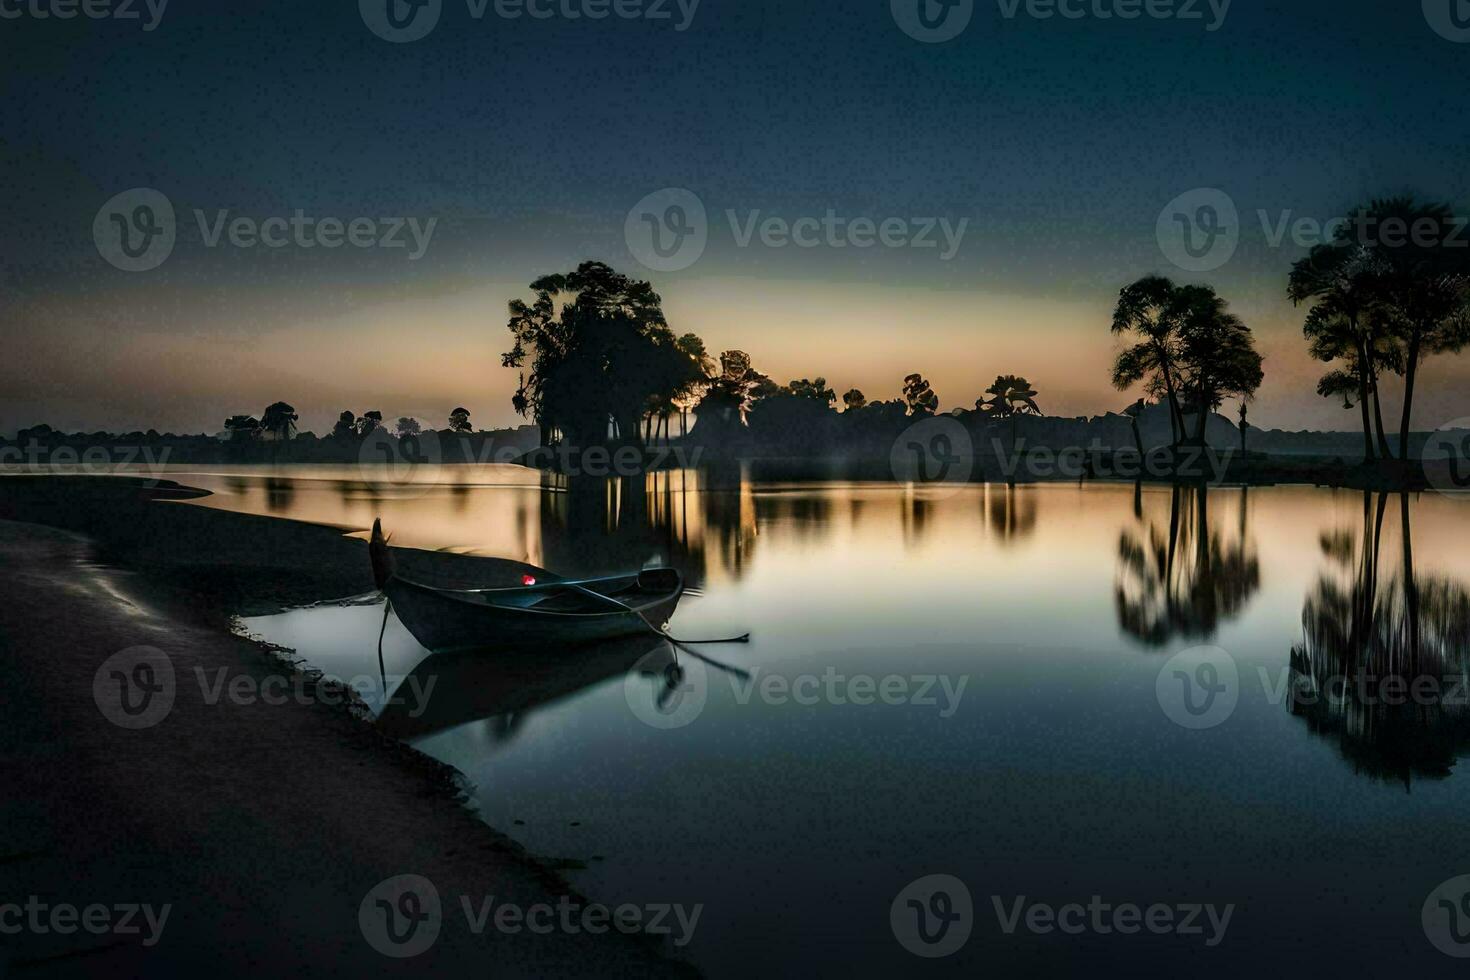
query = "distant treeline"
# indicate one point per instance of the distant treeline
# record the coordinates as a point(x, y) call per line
point(44, 446)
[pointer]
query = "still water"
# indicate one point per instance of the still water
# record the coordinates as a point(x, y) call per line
point(998, 684)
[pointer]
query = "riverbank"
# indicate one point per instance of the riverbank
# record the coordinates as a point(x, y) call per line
point(261, 826)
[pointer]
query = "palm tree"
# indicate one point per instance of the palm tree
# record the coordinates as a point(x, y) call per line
point(279, 420)
point(1343, 278)
point(1423, 281)
point(1148, 309)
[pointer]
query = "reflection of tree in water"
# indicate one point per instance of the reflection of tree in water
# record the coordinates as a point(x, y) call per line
point(596, 525)
point(1011, 514)
point(280, 493)
point(1369, 643)
point(1183, 579)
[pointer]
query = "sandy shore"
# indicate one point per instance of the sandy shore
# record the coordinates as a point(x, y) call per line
point(262, 826)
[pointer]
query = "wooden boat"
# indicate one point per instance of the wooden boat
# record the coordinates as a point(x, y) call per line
point(537, 613)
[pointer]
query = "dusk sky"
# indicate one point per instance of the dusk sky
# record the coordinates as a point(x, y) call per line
point(1054, 144)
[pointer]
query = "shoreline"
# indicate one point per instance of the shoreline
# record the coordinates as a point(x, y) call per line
point(263, 825)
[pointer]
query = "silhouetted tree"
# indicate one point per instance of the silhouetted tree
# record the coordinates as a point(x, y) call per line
point(459, 420)
point(368, 422)
point(1217, 354)
point(599, 348)
point(279, 420)
point(346, 426)
point(1344, 325)
point(919, 397)
point(408, 427)
point(242, 427)
point(1423, 280)
point(853, 400)
point(1149, 309)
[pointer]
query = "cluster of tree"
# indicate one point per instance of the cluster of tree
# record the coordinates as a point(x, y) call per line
point(601, 364)
point(1389, 291)
point(278, 423)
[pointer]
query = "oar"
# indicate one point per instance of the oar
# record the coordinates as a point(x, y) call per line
point(742, 638)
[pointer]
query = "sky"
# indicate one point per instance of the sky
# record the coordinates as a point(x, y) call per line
point(1018, 172)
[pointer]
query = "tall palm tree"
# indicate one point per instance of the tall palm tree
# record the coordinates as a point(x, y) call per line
point(1343, 280)
point(1423, 280)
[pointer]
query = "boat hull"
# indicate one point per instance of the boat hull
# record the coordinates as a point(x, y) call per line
point(443, 623)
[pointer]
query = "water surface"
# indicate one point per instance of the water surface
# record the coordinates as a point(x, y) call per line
point(1026, 742)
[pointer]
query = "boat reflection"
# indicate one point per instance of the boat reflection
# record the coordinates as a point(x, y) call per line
point(1381, 669)
point(502, 688)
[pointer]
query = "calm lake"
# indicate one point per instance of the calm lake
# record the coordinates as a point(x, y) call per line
point(1003, 685)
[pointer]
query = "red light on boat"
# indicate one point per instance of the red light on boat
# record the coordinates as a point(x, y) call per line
point(528, 580)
